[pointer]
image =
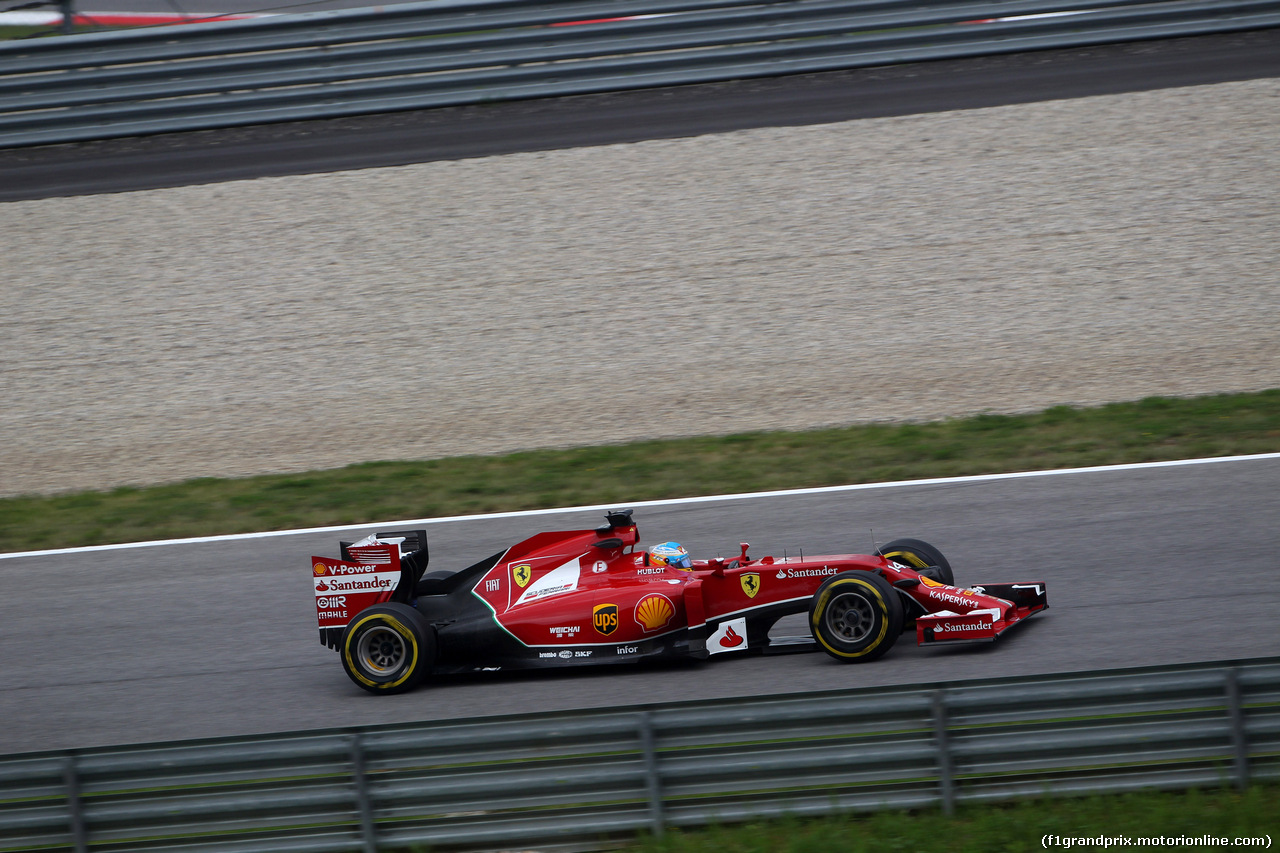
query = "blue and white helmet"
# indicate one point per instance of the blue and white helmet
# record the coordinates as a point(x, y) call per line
point(671, 554)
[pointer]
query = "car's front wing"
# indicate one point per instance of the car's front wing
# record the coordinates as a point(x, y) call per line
point(945, 626)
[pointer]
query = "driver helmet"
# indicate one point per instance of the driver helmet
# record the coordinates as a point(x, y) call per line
point(671, 554)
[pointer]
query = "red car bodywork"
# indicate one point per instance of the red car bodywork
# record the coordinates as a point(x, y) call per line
point(590, 597)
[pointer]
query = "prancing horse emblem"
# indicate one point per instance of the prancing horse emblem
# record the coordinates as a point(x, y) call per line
point(750, 583)
point(521, 574)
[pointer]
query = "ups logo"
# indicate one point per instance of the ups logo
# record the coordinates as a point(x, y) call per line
point(605, 618)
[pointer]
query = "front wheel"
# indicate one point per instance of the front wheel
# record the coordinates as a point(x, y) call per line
point(917, 554)
point(388, 648)
point(855, 616)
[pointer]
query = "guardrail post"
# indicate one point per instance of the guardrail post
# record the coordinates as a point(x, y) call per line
point(946, 773)
point(68, 9)
point(367, 829)
point(653, 783)
point(1239, 736)
point(79, 835)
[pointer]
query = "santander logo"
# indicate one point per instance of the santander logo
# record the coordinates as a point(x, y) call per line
point(731, 639)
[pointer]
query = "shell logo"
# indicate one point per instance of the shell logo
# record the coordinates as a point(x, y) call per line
point(319, 569)
point(654, 612)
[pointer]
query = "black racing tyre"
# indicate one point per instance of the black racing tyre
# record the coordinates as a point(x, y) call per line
point(388, 648)
point(915, 554)
point(855, 616)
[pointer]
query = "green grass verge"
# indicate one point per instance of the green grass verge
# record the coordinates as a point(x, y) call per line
point(1153, 429)
point(22, 32)
point(43, 31)
point(1013, 827)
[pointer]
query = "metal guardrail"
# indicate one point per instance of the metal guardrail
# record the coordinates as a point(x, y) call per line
point(453, 52)
point(577, 778)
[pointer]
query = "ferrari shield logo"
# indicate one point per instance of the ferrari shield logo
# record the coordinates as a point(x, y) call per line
point(750, 583)
point(605, 618)
point(521, 574)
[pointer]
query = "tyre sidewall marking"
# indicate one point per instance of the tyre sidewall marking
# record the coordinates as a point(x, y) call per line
point(875, 598)
point(395, 625)
point(910, 558)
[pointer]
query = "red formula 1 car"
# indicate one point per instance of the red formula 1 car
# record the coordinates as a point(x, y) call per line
point(587, 597)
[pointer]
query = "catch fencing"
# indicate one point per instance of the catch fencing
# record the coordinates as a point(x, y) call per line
point(454, 52)
point(580, 779)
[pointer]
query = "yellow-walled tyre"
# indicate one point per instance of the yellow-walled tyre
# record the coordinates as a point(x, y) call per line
point(917, 554)
point(855, 616)
point(388, 648)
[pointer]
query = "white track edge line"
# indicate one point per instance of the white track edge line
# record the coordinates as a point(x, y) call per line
point(935, 481)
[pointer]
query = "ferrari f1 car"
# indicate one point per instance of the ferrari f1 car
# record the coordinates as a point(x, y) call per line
point(590, 597)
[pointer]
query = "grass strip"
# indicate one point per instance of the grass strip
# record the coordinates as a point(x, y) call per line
point(1019, 826)
point(1152, 429)
point(24, 31)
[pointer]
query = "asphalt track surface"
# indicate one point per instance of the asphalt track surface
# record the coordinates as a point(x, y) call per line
point(412, 137)
point(1144, 566)
point(176, 641)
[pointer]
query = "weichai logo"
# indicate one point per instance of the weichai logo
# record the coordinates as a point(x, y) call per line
point(605, 618)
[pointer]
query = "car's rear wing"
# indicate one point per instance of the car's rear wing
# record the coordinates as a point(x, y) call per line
point(410, 542)
point(383, 567)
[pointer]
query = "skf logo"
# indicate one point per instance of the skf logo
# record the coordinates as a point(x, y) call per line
point(319, 569)
point(750, 583)
point(521, 574)
point(605, 618)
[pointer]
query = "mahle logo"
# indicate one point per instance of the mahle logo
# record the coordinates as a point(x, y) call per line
point(521, 574)
point(605, 618)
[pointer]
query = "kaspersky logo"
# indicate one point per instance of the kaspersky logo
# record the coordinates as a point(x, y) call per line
point(605, 618)
point(521, 574)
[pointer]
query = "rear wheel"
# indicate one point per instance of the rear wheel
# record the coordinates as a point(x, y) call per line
point(388, 648)
point(855, 616)
point(916, 554)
